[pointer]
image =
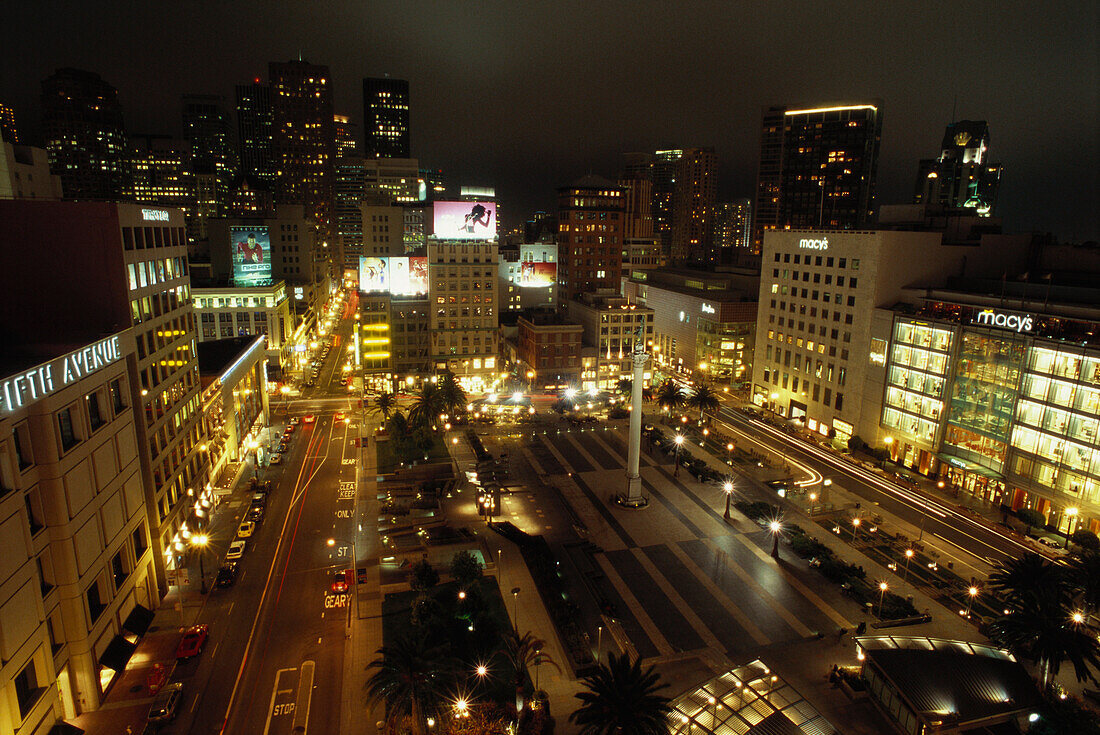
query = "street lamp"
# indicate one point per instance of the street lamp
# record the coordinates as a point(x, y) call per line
point(200, 542)
point(908, 555)
point(813, 499)
point(855, 527)
point(599, 643)
point(679, 443)
point(729, 454)
point(881, 597)
point(972, 593)
point(775, 527)
point(515, 608)
point(1072, 513)
point(774, 397)
point(728, 487)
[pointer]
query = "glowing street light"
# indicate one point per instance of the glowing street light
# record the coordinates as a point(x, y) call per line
point(200, 541)
point(971, 594)
point(729, 453)
point(679, 443)
point(813, 499)
point(775, 527)
point(728, 487)
point(908, 555)
point(882, 587)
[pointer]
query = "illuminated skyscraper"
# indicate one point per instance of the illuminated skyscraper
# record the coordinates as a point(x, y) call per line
point(961, 177)
point(346, 143)
point(254, 131)
point(817, 168)
point(386, 118)
point(161, 173)
point(733, 226)
point(213, 160)
point(8, 132)
point(693, 207)
point(85, 137)
point(590, 235)
point(303, 137)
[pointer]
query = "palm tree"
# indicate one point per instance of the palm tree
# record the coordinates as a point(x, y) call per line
point(622, 698)
point(412, 678)
point(670, 395)
point(625, 387)
point(523, 652)
point(385, 404)
point(451, 394)
point(427, 406)
point(1040, 622)
point(397, 425)
point(704, 398)
point(1085, 572)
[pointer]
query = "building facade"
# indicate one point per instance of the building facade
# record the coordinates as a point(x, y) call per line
point(732, 227)
point(462, 290)
point(254, 132)
point(590, 237)
point(25, 173)
point(611, 325)
point(85, 136)
point(962, 177)
point(161, 174)
point(548, 351)
point(817, 168)
point(528, 275)
point(693, 207)
point(237, 311)
point(77, 580)
point(386, 118)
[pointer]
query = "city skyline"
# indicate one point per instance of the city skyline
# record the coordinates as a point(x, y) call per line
point(486, 103)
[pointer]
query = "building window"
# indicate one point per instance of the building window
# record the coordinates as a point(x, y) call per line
point(68, 435)
point(96, 605)
point(20, 440)
point(118, 569)
point(27, 690)
point(94, 416)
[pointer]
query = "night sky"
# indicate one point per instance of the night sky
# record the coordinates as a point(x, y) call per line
point(527, 96)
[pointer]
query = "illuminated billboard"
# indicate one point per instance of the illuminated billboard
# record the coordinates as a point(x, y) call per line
point(374, 274)
point(403, 276)
point(465, 220)
point(533, 274)
point(251, 255)
point(408, 276)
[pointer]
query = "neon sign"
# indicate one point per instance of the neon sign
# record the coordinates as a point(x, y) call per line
point(1017, 322)
point(154, 215)
point(41, 381)
point(812, 244)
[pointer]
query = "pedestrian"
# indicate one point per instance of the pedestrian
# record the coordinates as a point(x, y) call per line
point(861, 628)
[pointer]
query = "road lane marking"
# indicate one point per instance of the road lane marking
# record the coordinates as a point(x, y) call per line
point(275, 692)
point(305, 684)
point(650, 628)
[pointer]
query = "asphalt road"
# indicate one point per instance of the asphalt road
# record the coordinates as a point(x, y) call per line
point(936, 518)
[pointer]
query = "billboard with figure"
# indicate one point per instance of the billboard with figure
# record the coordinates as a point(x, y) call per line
point(465, 220)
point(532, 274)
point(251, 248)
point(374, 274)
point(408, 276)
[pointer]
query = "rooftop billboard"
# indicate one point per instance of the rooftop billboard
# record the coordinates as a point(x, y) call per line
point(465, 220)
point(251, 248)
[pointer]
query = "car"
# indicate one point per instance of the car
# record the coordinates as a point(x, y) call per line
point(194, 638)
point(246, 529)
point(339, 415)
point(1049, 543)
point(227, 575)
point(284, 446)
point(167, 703)
point(308, 384)
point(236, 549)
point(275, 459)
point(258, 499)
point(309, 419)
point(293, 421)
point(256, 513)
point(340, 582)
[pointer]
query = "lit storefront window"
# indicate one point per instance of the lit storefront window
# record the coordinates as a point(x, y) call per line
point(915, 380)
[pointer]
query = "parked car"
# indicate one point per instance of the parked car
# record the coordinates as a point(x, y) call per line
point(246, 529)
point(256, 513)
point(309, 419)
point(194, 638)
point(227, 575)
point(284, 447)
point(275, 459)
point(1050, 543)
point(293, 421)
point(236, 549)
point(167, 703)
point(259, 498)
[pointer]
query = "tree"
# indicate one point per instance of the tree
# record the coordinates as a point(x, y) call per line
point(522, 652)
point(1085, 573)
point(412, 678)
point(397, 425)
point(423, 576)
point(704, 398)
point(385, 404)
point(622, 698)
point(1038, 623)
point(670, 395)
point(1031, 518)
point(465, 568)
point(625, 387)
point(1085, 539)
point(427, 406)
point(452, 397)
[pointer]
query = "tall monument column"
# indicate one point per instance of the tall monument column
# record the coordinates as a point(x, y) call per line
point(633, 497)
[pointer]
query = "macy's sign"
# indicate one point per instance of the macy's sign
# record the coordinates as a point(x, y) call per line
point(811, 244)
point(1018, 322)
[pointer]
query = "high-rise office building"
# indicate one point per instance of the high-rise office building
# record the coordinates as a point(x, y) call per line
point(213, 159)
point(693, 207)
point(304, 137)
point(464, 329)
point(254, 134)
point(347, 139)
point(817, 168)
point(125, 264)
point(25, 173)
point(85, 137)
point(161, 173)
point(386, 118)
point(590, 233)
point(732, 227)
point(8, 131)
point(637, 207)
point(665, 165)
point(961, 178)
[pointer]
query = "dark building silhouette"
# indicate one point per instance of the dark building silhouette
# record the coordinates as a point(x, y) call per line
point(8, 131)
point(85, 136)
point(962, 177)
point(385, 118)
point(254, 137)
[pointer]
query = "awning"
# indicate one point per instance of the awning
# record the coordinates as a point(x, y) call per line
point(118, 653)
point(968, 466)
point(139, 620)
